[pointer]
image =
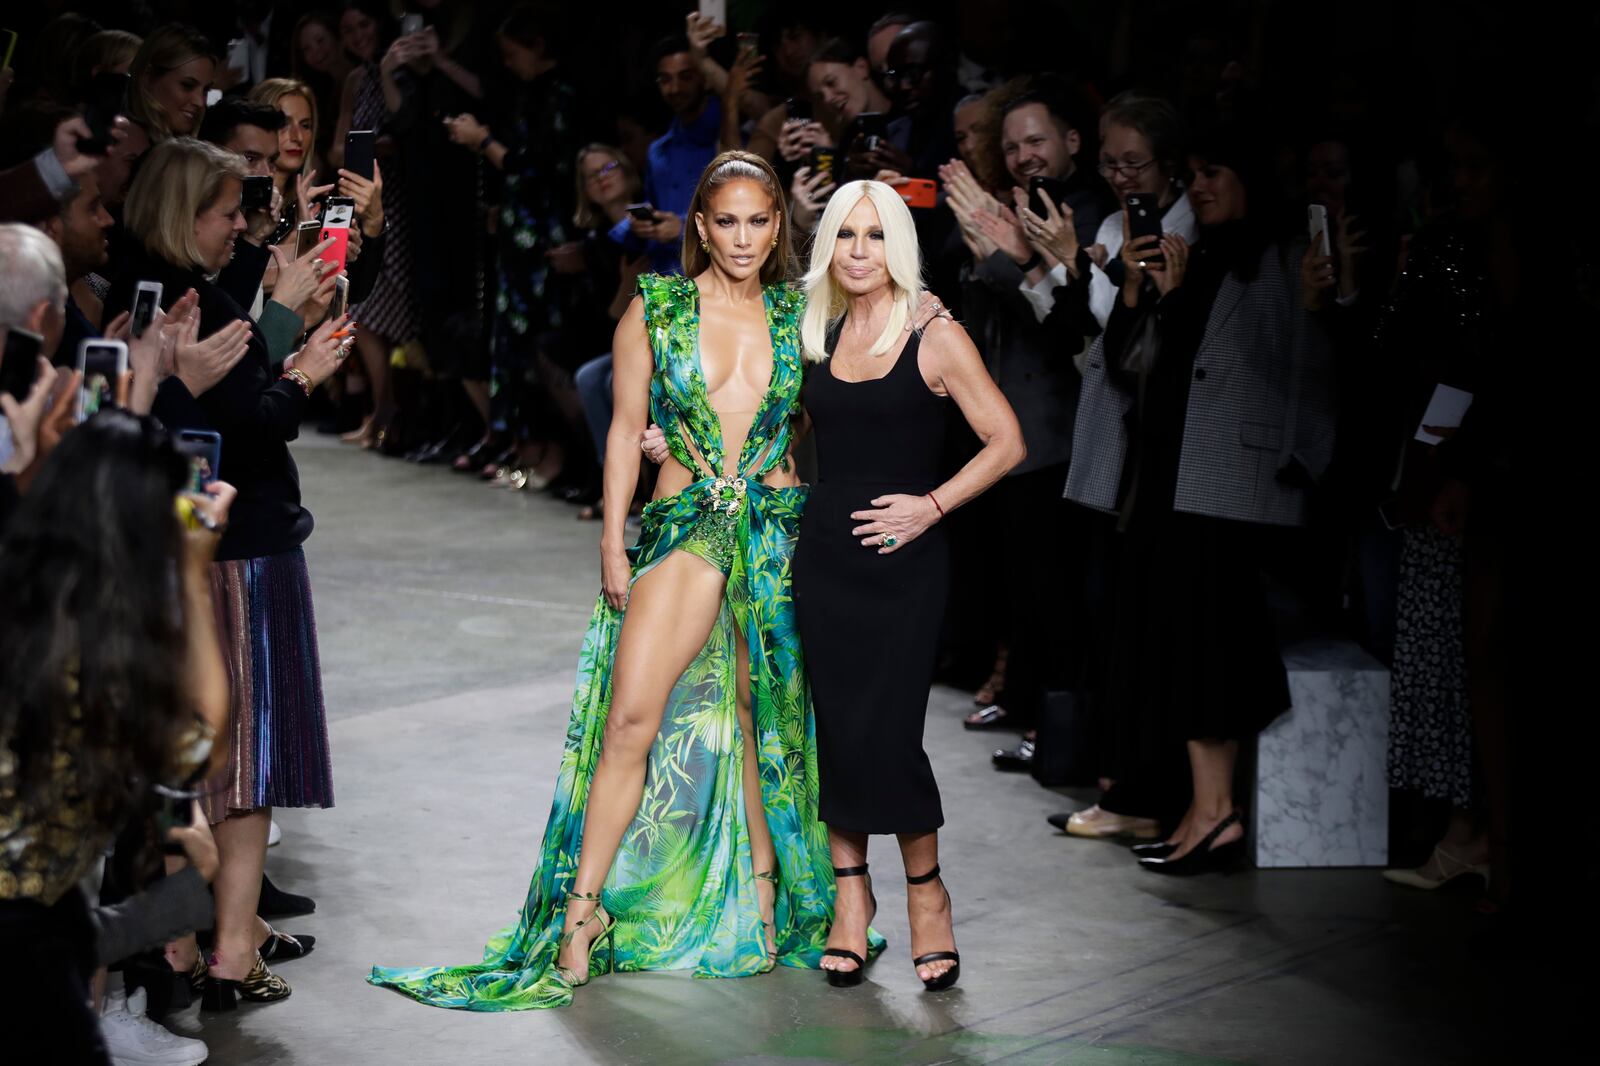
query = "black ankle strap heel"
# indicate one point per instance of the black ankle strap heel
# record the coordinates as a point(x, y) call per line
point(850, 978)
point(953, 974)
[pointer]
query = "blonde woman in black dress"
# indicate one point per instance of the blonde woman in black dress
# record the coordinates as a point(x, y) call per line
point(871, 569)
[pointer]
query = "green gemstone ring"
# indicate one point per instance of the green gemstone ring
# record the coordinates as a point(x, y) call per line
point(890, 540)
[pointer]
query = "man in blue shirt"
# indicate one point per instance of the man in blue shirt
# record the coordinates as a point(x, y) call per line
point(676, 160)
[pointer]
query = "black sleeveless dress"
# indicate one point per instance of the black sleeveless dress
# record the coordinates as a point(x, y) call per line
point(870, 623)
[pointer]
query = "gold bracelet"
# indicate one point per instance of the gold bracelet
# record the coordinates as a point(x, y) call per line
point(298, 376)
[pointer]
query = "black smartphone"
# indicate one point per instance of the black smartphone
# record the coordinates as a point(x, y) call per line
point(107, 98)
point(797, 108)
point(146, 298)
point(821, 159)
point(204, 449)
point(644, 212)
point(257, 193)
point(19, 366)
point(1144, 220)
point(359, 152)
point(1040, 187)
point(174, 810)
point(867, 130)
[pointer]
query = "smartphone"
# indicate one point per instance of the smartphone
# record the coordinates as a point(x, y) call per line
point(715, 10)
point(410, 24)
point(174, 810)
point(204, 451)
point(749, 42)
point(644, 212)
point(359, 152)
point(106, 99)
point(307, 237)
point(920, 192)
point(341, 297)
point(1317, 228)
point(146, 299)
point(798, 108)
point(257, 193)
point(336, 219)
point(821, 160)
point(8, 42)
point(20, 363)
point(867, 130)
point(102, 363)
point(1144, 220)
point(1040, 187)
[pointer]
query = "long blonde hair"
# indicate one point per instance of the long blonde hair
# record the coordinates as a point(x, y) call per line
point(274, 89)
point(825, 301)
point(166, 49)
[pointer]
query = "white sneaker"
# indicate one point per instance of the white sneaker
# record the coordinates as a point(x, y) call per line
point(274, 835)
point(135, 1040)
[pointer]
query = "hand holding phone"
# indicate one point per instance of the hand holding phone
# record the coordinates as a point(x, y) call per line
point(203, 447)
point(1144, 221)
point(337, 218)
point(146, 301)
point(360, 149)
point(102, 364)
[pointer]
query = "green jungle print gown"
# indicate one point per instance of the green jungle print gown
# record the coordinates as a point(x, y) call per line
point(682, 886)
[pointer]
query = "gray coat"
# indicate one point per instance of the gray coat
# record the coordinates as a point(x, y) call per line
point(1261, 402)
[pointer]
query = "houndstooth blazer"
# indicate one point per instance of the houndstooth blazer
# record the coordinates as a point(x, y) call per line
point(1260, 404)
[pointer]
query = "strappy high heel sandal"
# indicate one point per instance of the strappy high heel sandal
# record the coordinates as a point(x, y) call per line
point(953, 974)
point(771, 877)
point(851, 978)
point(260, 985)
point(607, 926)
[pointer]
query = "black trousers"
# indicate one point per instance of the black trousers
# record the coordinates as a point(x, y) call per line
point(1041, 601)
point(44, 983)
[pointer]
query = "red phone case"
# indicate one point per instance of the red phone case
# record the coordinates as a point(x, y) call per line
point(341, 245)
point(920, 192)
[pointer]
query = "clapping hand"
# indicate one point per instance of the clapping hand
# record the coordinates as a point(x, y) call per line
point(1053, 235)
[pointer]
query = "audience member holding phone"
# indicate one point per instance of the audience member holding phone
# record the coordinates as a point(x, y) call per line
point(89, 725)
point(184, 211)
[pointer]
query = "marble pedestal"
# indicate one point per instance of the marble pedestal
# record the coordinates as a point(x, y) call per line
point(1321, 790)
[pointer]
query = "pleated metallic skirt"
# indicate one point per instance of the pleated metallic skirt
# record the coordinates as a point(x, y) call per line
point(278, 732)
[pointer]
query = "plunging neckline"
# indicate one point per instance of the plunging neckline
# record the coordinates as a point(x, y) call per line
point(766, 398)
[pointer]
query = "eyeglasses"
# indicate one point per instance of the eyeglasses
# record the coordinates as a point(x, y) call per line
point(1124, 170)
point(911, 72)
point(602, 172)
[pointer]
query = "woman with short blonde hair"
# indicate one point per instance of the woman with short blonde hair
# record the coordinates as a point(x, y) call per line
point(871, 566)
point(172, 73)
point(180, 178)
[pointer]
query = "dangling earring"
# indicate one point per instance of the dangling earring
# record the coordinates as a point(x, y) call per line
point(774, 242)
point(705, 246)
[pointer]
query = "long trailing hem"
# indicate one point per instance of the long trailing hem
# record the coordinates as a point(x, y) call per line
point(682, 886)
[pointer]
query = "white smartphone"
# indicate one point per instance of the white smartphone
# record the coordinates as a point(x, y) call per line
point(715, 10)
point(146, 299)
point(410, 24)
point(341, 297)
point(1317, 228)
point(102, 363)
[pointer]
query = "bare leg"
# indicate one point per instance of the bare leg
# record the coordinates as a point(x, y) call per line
point(242, 849)
point(1211, 762)
point(184, 951)
point(763, 856)
point(670, 613)
point(927, 905)
point(478, 393)
point(852, 900)
point(374, 350)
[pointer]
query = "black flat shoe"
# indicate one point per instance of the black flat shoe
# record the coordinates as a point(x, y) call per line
point(992, 717)
point(1158, 849)
point(851, 978)
point(276, 903)
point(1060, 820)
point(1015, 760)
point(280, 946)
point(953, 974)
point(1205, 858)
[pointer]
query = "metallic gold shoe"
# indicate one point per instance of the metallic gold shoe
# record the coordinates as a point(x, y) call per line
point(607, 925)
